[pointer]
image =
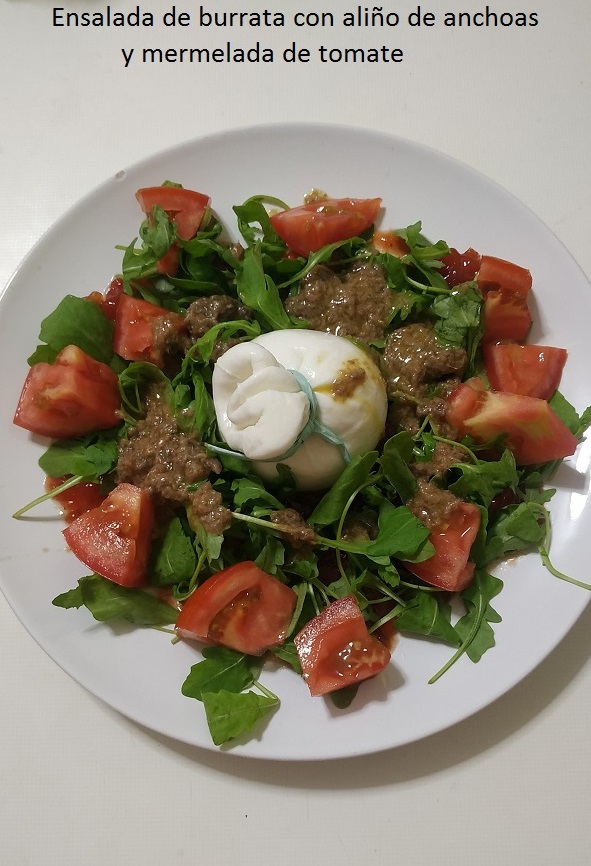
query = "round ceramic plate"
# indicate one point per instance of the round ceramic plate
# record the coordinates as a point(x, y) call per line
point(140, 672)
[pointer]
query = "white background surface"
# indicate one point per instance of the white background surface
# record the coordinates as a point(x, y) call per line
point(80, 783)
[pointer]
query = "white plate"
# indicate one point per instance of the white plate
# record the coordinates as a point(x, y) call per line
point(139, 672)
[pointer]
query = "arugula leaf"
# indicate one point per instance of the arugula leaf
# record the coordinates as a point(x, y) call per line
point(424, 257)
point(257, 290)
point(70, 599)
point(271, 556)
point(517, 528)
point(474, 628)
point(132, 384)
point(427, 614)
point(459, 320)
point(75, 321)
point(107, 601)
point(158, 233)
point(253, 211)
point(221, 669)
point(138, 263)
point(251, 490)
point(569, 415)
point(219, 682)
point(354, 476)
point(401, 535)
point(173, 556)
point(419, 246)
point(396, 455)
point(194, 411)
point(203, 347)
point(210, 544)
point(90, 456)
point(287, 653)
point(229, 715)
point(344, 697)
point(480, 482)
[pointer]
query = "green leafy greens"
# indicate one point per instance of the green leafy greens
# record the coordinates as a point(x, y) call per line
point(362, 536)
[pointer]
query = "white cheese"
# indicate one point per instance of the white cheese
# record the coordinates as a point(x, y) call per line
point(261, 409)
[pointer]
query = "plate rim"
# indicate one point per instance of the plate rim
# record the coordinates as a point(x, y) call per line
point(207, 140)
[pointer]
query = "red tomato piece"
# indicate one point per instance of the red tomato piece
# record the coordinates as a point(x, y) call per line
point(185, 207)
point(73, 396)
point(533, 371)
point(532, 430)
point(114, 539)
point(169, 263)
point(459, 267)
point(77, 499)
point(506, 316)
point(449, 567)
point(500, 274)
point(111, 298)
point(389, 242)
point(241, 607)
point(336, 650)
point(134, 329)
point(309, 227)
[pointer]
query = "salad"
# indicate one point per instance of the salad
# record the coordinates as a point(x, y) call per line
point(298, 446)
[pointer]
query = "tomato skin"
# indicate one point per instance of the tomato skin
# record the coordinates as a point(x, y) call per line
point(114, 538)
point(169, 263)
point(309, 227)
point(389, 242)
point(73, 396)
point(77, 499)
point(185, 207)
point(241, 607)
point(533, 431)
point(134, 338)
point(111, 298)
point(336, 650)
point(460, 267)
point(497, 273)
point(449, 568)
point(533, 371)
point(506, 316)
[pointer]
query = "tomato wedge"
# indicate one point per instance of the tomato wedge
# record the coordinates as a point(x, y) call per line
point(458, 268)
point(134, 329)
point(336, 650)
point(73, 396)
point(533, 371)
point(185, 207)
point(506, 316)
point(307, 228)
point(449, 567)
point(389, 242)
point(111, 298)
point(169, 262)
point(77, 499)
point(241, 607)
point(114, 539)
point(497, 273)
point(532, 430)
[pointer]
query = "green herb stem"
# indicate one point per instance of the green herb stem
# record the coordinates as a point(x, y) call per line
point(544, 548)
point(385, 619)
point(266, 692)
point(455, 444)
point(71, 482)
point(461, 649)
